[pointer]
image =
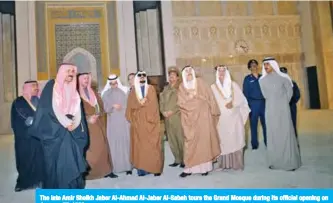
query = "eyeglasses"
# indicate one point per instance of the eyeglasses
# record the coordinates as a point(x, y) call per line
point(142, 75)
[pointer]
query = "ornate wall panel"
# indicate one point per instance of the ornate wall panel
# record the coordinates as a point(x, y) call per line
point(84, 33)
point(207, 41)
point(72, 37)
point(70, 28)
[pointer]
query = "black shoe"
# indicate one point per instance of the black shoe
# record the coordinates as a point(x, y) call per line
point(111, 175)
point(174, 165)
point(271, 167)
point(182, 165)
point(184, 175)
point(292, 170)
point(157, 174)
point(205, 174)
point(128, 172)
point(254, 148)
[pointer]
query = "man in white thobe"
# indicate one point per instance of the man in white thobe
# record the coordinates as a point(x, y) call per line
point(282, 145)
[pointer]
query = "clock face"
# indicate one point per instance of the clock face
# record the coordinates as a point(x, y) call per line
point(241, 46)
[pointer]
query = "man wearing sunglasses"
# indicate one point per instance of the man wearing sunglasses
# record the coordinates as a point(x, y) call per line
point(143, 113)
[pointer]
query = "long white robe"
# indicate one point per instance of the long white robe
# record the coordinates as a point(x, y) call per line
point(118, 129)
point(282, 145)
point(231, 123)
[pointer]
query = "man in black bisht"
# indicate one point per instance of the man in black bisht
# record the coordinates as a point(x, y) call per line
point(28, 150)
point(61, 126)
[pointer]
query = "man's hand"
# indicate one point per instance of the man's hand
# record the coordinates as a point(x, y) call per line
point(229, 105)
point(191, 94)
point(169, 113)
point(143, 101)
point(117, 106)
point(70, 127)
point(93, 119)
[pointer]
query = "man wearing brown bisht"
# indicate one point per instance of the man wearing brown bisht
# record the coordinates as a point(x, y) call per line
point(199, 116)
point(143, 113)
point(171, 113)
point(98, 156)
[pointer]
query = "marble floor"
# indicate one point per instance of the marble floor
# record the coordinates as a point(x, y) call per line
point(316, 172)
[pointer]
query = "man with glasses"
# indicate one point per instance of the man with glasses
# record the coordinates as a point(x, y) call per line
point(143, 114)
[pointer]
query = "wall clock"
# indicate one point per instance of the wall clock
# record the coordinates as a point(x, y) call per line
point(241, 46)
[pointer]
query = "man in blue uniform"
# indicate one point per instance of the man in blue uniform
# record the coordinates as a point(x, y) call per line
point(293, 101)
point(252, 92)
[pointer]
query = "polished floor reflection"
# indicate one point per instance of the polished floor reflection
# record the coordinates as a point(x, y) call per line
point(316, 172)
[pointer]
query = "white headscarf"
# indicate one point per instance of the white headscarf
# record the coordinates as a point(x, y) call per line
point(108, 86)
point(189, 84)
point(226, 87)
point(276, 68)
point(137, 85)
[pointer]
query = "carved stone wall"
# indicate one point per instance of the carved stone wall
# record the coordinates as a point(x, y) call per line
point(207, 41)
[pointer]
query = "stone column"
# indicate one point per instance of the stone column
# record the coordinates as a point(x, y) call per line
point(126, 38)
point(323, 31)
point(307, 44)
point(25, 41)
point(169, 44)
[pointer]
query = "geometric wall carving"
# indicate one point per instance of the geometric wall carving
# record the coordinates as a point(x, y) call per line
point(79, 38)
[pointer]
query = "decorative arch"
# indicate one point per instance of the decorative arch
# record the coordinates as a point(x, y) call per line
point(70, 58)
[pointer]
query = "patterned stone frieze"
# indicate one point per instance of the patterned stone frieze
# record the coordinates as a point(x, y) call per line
point(267, 34)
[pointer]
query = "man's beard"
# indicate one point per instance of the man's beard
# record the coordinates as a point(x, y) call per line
point(70, 78)
point(142, 81)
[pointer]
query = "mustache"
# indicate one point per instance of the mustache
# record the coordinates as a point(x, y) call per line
point(143, 81)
